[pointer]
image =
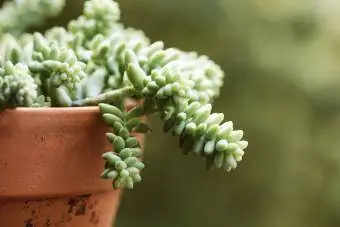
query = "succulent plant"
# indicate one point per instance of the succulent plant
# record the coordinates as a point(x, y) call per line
point(96, 61)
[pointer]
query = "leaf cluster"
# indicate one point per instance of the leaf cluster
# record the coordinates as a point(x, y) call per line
point(95, 60)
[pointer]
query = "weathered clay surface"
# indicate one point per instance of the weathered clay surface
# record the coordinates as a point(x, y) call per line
point(50, 162)
point(86, 210)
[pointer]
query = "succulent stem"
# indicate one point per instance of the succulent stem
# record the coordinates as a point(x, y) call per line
point(106, 97)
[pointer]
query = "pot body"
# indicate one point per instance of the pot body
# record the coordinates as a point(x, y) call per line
point(50, 162)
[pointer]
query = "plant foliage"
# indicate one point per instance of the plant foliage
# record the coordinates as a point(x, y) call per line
point(95, 60)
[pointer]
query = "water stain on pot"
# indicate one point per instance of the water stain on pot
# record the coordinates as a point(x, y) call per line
point(29, 223)
point(79, 204)
point(76, 206)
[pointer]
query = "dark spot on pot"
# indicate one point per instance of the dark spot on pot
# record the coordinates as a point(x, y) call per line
point(82, 207)
point(33, 215)
point(78, 203)
point(26, 205)
point(48, 222)
point(69, 219)
point(72, 203)
point(29, 223)
point(81, 210)
point(94, 218)
point(42, 138)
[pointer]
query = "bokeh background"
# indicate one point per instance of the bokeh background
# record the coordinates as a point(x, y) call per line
point(282, 87)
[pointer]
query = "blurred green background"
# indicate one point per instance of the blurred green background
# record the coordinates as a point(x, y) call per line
point(281, 59)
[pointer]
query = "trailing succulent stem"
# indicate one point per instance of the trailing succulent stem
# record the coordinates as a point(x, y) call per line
point(96, 61)
point(123, 164)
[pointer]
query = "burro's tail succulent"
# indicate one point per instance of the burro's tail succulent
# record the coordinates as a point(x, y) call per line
point(96, 61)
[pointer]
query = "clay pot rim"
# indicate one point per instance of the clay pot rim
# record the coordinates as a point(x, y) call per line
point(57, 109)
point(72, 109)
point(129, 104)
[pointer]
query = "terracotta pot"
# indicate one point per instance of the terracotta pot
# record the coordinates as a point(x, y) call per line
point(50, 162)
